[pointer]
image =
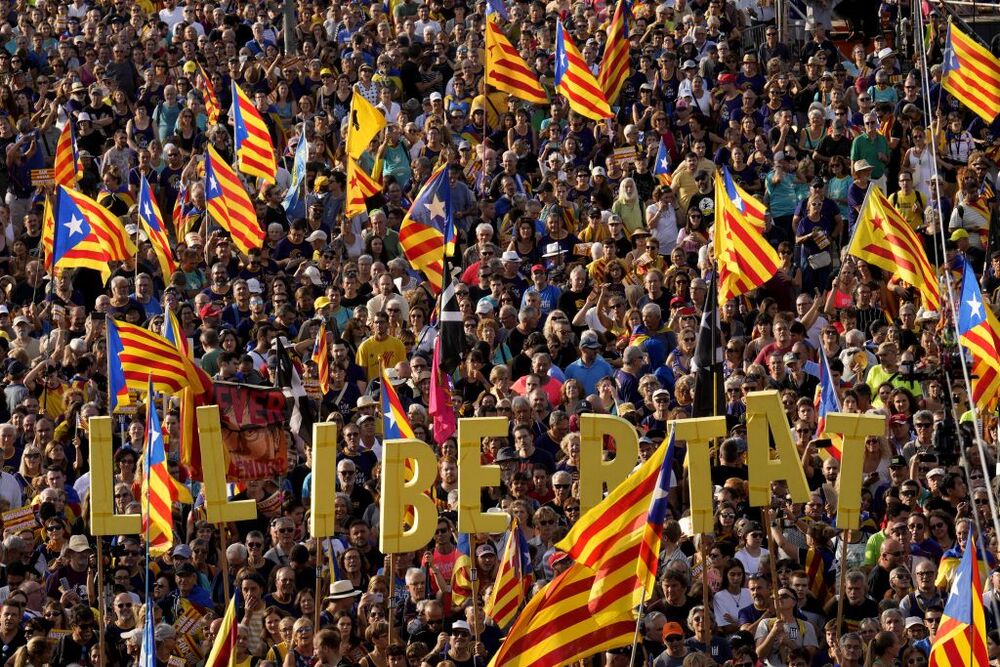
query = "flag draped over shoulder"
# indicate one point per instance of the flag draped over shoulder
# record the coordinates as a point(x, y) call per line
point(745, 258)
point(254, 148)
point(591, 606)
point(961, 637)
point(506, 69)
point(574, 80)
point(884, 238)
point(364, 123)
point(426, 226)
point(971, 73)
point(616, 61)
point(977, 332)
point(229, 204)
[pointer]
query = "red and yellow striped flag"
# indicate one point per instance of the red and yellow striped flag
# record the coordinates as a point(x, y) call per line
point(884, 238)
point(229, 204)
point(144, 354)
point(616, 61)
point(48, 232)
point(321, 357)
point(66, 165)
point(574, 80)
point(745, 259)
point(85, 234)
point(360, 186)
point(212, 107)
point(152, 221)
point(254, 148)
point(426, 227)
point(972, 74)
point(591, 607)
point(223, 653)
point(161, 491)
point(961, 637)
point(506, 69)
point(513, 579)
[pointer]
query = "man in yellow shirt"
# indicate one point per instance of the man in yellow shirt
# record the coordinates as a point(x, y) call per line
point(908, 201)
point(381, 350)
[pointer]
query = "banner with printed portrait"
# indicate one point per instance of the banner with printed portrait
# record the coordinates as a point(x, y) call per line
point(253, 421)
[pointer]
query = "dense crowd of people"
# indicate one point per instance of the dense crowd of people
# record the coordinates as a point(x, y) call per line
point(583, 272)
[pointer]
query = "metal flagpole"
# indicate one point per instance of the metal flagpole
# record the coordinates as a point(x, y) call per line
point(925, 82)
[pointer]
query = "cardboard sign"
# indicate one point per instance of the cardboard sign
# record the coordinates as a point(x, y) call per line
point(19, 519)
point(43, 177)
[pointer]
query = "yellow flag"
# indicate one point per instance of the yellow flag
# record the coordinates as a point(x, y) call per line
point(365, 122)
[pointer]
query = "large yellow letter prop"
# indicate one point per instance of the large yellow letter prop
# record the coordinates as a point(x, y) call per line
point(324, 467)
point(765, 415)
point(218, 507)
point(596, 474)
point(855, 428)
point(473, 476)
point(103, 520)
point(698, 433)
point(398, 492)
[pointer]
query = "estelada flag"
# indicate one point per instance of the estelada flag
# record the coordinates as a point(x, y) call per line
point(574, 80)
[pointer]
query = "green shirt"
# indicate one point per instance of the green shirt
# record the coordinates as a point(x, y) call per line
point(868, 148)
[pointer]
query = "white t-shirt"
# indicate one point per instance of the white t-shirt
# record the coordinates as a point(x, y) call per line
point(724, 603)
point(750, 563)
point(800, 632)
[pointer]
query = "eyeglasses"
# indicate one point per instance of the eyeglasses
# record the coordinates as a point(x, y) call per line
point(304, 629)
point(673, 638)
point(285, 531)
point(124, 605)
point(255, 545)
point(549, 522)
point(935, 526)
point(922, 424)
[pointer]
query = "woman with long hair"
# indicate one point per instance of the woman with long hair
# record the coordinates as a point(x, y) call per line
point(271, 633)
point(351, 650)
point(732, 596)
point(525, 242)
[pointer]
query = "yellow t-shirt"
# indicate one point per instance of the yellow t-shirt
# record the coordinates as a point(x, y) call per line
point(373, 355)
point(904, 204)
